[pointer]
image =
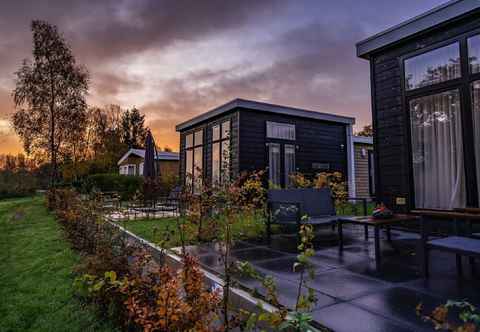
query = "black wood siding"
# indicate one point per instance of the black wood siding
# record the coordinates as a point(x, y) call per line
point(390, 113)
point(317, 142)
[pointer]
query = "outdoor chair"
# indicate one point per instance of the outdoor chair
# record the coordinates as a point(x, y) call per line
point(170, 203)
point(300, 206)
point(461, 245)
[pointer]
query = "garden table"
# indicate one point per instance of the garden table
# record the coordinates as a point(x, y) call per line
point(377, 224)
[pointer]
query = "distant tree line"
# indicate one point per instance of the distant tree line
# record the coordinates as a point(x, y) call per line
point(59, 131)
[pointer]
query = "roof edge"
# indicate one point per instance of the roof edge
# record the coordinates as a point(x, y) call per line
point(425, 21)
point(265, 107)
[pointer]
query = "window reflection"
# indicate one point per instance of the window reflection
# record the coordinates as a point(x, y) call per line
point(439, 65)
point(474, 54)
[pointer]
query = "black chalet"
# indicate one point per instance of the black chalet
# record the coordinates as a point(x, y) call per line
point(244, 135)
point(425, 81)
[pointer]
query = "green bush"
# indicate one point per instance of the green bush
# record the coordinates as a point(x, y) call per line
point(17, 184)
point(125, 185)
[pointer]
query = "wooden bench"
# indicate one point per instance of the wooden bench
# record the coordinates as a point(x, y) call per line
point(459, 245)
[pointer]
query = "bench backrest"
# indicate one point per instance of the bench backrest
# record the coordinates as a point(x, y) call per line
point(313, 203)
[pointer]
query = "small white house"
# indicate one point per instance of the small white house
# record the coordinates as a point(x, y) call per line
point(131, 162)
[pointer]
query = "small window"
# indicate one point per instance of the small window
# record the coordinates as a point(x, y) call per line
point(226, 129)
point(439, 65)
point(131, 169)
point(199, 137)
point(474, 54)
point(216, 132)
point(189, 141)
point(280, 130)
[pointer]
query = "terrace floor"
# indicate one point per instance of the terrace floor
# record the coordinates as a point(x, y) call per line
point(351, 295)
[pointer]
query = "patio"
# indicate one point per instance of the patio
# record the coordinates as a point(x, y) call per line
point(352, 296)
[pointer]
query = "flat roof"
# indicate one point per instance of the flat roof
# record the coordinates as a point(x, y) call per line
point(428, 20)
point(263, 107)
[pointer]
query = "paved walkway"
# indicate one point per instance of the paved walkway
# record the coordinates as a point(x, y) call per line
point(352, 296)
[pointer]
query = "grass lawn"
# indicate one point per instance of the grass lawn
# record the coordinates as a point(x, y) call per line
point(36, 273)
point(164, 230)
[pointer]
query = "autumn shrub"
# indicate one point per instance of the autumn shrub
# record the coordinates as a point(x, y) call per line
point(441, 318)
point(124, 281)
point(333, 180)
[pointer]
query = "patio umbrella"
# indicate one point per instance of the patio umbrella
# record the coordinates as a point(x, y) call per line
point(149, 166)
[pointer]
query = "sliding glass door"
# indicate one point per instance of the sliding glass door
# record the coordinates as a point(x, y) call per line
point(274, 165)
point(442, 96)
point(437, 151)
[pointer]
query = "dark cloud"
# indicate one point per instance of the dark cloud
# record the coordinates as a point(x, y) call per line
point(299, 53)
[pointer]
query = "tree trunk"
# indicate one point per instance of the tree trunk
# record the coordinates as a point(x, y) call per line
point(53, 152)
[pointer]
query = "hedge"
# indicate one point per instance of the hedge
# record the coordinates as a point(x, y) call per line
point(125, 185)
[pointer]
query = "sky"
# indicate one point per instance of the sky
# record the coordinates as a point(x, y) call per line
point(176, 59)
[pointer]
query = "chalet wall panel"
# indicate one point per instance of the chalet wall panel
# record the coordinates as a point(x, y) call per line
point(317, 141)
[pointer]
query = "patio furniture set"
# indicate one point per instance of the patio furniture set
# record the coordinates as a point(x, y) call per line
point(164, 205)
point(315, 207)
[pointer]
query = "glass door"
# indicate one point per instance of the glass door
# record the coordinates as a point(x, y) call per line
point(437, 151)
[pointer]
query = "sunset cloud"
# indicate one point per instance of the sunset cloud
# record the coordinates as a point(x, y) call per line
point(176, 59)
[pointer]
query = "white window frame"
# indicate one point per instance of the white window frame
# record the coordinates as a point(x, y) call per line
point(278, 130)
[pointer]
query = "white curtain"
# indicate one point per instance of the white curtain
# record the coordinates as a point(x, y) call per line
point(274, 163)
point(476, 128)
point(437, 151)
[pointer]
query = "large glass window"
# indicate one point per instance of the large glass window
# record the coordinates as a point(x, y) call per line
point(194, 160)
point(216, 132)
point(226, 129)
point(280, 130)
point(474, 54)
point(439, 65)
point(215, 163)
point(437, 151)
point(274, 164)
point(289, 162)
point(476, 127)
point(221, 153)
point(189, 168)
point(189, 141)
point(198, 137)
point(225, 161)
point(197, 168)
